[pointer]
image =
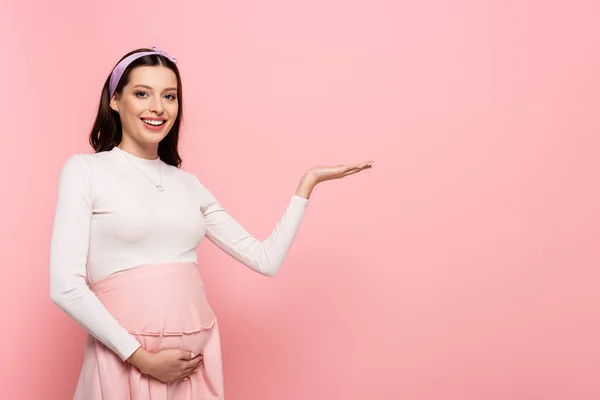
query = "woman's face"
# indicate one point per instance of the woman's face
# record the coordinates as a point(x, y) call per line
point(148, 105)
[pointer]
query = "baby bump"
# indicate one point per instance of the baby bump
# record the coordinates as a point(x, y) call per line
point(163, 306)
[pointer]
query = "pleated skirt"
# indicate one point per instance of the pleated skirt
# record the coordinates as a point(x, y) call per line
point(165, 307)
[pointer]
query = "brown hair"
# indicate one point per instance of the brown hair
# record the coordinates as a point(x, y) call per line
point(107, 132)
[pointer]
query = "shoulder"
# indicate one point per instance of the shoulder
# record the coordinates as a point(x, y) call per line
point(76, 164)
point(190, 179)
point(195, 185)
point(83, 166)
point(75, 176)
point(88, 159)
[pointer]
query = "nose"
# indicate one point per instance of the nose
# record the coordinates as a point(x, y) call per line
point(156, 105)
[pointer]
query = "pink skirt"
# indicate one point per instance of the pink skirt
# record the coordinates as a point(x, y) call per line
point(164, 307)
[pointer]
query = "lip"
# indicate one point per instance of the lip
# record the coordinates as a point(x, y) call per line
point(154, 128)
point(154, 118)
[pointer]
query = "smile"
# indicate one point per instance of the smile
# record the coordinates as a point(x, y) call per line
point(153, 122)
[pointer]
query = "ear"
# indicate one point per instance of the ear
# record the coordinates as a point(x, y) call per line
point(114, 104)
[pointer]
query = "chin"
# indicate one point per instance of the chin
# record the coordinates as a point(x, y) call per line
point(151, 138)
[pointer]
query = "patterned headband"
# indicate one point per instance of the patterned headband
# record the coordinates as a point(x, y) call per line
point(117, 73)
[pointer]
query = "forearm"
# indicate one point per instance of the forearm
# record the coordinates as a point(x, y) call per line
point(265, 257)
point(83, 306)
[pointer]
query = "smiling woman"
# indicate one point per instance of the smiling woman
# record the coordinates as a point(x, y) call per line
point(141, 106)
point(147, 112)
point(123, 253)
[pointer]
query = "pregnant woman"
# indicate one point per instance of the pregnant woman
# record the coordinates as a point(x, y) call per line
point(123, 252)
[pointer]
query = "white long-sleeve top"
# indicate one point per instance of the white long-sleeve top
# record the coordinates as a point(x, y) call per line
point(110, 217)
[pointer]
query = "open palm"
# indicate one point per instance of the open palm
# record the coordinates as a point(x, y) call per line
point(326, 173)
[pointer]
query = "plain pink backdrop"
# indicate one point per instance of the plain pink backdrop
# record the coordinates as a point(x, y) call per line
point(463, 266)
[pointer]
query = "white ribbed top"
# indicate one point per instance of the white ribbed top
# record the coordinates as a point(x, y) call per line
point(110, 217)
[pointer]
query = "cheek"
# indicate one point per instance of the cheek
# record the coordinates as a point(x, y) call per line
point(131, 111)
point(173, 109)
point(136, 109)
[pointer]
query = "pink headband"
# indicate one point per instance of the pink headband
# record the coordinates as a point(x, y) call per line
point(115, 76)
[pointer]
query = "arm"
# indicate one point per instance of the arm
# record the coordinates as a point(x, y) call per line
point(68, 258)
point(265, 257)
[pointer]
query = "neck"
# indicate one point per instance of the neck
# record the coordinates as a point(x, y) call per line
point(147, 151)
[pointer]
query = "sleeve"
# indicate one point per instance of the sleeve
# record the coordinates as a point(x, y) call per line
point(265, 257)
point(68, 259)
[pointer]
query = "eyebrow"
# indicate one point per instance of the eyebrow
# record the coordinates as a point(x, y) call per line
point(149, 88)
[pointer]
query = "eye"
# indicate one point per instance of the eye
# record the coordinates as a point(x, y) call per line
point(140, 94)
point(171, 97)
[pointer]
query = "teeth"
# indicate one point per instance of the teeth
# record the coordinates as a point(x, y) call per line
point(155, 123)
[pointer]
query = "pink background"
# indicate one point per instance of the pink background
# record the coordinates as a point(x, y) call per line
point(464, 265)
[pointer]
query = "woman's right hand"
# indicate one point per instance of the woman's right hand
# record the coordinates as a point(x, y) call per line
point(166, 365)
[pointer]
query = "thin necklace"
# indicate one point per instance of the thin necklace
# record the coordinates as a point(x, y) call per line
point(159, 186)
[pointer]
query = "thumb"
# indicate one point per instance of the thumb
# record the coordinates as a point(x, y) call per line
point(186, 355)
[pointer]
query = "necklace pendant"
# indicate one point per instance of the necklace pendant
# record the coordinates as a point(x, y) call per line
point(160, 188)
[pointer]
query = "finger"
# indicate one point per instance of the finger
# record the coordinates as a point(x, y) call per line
point(363, 166)
point(354, 171)
point(186, 355)
point(359, 165)
point(188, 371)
point(350, 172)
point(194, 362)
point(189, 355)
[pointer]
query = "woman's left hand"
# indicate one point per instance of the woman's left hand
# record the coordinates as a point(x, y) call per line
point(321, 174)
